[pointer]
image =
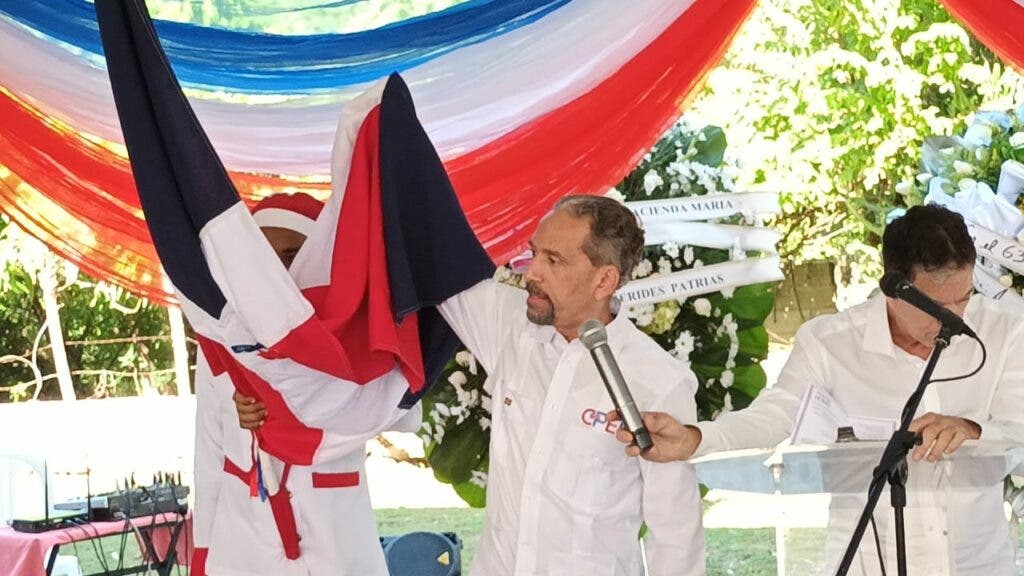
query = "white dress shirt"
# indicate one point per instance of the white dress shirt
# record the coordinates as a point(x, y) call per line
point(562, 496)
point(851, 355)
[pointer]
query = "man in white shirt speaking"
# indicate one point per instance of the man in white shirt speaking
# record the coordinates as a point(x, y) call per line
point(869, 359)
point(561, 497)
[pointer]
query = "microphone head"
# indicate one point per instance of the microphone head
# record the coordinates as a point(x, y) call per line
point(592, 334)
point(891, 283)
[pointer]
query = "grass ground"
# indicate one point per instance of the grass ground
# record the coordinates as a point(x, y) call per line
point(731, 552)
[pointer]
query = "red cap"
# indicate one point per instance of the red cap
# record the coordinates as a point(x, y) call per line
point(291, 211)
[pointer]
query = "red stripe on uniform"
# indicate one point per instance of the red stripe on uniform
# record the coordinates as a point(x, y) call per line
point(197, 564)
point(282, 434)
point(335, 480)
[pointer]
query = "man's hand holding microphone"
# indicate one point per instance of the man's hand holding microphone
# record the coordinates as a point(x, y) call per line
point(672, 441)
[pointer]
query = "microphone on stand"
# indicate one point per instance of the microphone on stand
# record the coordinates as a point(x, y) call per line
point(594, 337)
point(896, 285)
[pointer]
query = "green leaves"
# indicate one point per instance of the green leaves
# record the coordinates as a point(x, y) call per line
point(753, 343)
point(749, 305)
point(709, 147)
point(829, 102)
point(89, 310)
point(474, 492)
point(460, 451)
point(749, 380)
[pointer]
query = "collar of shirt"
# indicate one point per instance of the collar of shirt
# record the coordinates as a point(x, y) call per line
point(617, 330)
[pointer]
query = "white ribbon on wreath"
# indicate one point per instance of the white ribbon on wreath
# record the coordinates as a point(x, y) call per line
point(675, 220)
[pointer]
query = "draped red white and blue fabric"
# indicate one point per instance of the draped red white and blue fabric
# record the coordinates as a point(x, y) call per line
point(996, 23)
point(525, 100)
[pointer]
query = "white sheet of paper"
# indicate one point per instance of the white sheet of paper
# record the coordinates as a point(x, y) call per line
point(820, 416)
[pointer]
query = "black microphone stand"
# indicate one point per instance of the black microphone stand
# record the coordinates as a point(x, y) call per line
point(892, 468)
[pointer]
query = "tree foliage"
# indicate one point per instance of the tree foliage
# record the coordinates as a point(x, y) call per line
point(830, 103)
point(91, 312)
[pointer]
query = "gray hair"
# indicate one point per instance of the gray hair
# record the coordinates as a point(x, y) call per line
point(615, 237)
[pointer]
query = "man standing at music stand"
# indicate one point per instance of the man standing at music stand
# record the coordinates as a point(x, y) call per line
point(869, 358)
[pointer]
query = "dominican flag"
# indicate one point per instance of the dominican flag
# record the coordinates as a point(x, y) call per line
point(390, 243)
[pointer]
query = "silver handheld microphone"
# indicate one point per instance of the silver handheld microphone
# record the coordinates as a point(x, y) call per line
point(595, 338)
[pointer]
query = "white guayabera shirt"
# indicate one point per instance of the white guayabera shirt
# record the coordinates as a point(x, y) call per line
point(562, 496)
point(851, 355)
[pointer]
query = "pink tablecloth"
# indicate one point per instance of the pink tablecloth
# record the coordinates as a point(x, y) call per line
point(24, 554)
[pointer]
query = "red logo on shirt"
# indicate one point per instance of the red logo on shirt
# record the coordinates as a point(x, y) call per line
point(599, 420)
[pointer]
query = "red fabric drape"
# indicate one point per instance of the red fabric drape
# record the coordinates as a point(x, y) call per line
point(998, 24)
point(590, 144)
point(80, 200)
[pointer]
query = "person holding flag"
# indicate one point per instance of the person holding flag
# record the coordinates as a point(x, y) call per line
point(339, 344)
point(561, 496)
point(237, 532)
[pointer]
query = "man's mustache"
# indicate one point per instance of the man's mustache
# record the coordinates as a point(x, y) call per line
point(535, 291)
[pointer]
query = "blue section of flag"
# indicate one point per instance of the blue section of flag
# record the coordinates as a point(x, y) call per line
point(181, 182)
point(212, 58)
point(246, 348)
point(432, 252)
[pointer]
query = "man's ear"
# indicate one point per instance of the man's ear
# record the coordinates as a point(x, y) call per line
point(607, 282)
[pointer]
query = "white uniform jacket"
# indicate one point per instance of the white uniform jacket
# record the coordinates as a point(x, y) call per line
point(324, 524)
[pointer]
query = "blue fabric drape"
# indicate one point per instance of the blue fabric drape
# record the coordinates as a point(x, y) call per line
point(274, 7)
point(249, 62)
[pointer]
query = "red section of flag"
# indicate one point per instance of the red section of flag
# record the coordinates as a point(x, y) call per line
point(354, 319)
point(282, 434)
